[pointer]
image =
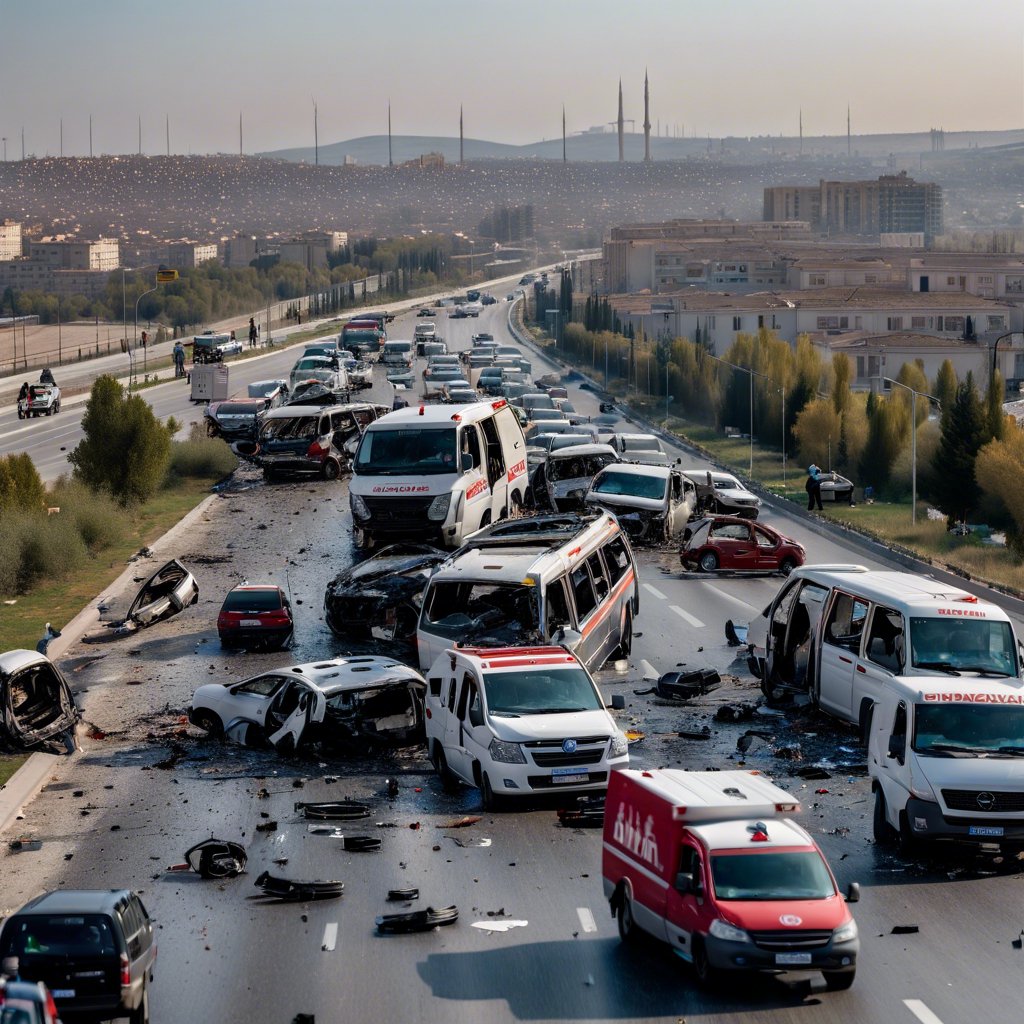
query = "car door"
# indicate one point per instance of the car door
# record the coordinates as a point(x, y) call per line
point(792, 625)
point(588, 648)
point(250, 700)
point(766, 550)
point(882, 658)
point(735, 546)
point(289, 715)
point(841, 636)
point(685, 899)
point(459, 758)
point(476, 736)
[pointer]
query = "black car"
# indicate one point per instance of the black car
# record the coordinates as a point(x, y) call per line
point(94, 949)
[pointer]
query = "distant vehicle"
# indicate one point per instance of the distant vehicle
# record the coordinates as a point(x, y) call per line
point(653, 503)
point(425, 330)
point(320, 368)
point(562, 481)
point(26, 1002)
point(458, 313)
point(527, 279)
point(724, 492)
point(427, 311)
point(472, 296)
point(40, 400)
point(276, 390)
point(236, 419)
point(487, 299)
point(734, 544)
point(255, 615)
point(836, 488)
point(212, 347)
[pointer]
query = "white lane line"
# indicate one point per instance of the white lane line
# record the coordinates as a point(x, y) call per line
point(587, 922)
point(654, 590)
point(330, 937)
point(691, 619)
point(921, 1012)
point(730, 597)
point(650, 672)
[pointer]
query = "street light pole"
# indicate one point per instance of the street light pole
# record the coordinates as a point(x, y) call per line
point(136, 336)
point(913, 442)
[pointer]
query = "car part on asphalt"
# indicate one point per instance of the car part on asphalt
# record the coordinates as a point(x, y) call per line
point(687, 685)
point(171, 589)
point(361, 844)
point(402, 895)
point(334, 810)
point(588, 813)
point(298, 892)
point(416, 920)
point(687, 734)
point(735, 636)
point(217, 858)
point(37, 709)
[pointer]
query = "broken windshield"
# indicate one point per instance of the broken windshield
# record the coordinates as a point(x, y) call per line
point(289, 428)
point(632, 485)
point(462, 610)
point(409, 451)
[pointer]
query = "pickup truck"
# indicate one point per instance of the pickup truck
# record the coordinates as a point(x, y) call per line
point(42, 399)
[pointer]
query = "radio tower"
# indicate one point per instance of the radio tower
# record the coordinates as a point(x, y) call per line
point(647, 121)
point(622, 128)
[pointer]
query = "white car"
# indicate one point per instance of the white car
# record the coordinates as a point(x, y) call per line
point(359, 700)
point(729, 495)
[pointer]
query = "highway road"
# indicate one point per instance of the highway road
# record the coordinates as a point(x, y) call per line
point(226, 957)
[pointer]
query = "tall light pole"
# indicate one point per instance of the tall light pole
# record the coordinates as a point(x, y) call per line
point(750, 374)
point(913, 442)
point(136, 336)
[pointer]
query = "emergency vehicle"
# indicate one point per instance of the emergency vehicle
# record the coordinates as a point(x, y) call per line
point(946, 760)
point(710, 863)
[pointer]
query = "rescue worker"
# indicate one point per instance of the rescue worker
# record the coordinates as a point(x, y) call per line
point(253, 333)
point(813, 488)
point(23, 392)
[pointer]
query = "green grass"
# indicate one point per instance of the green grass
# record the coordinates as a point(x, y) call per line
point(21, 624)
point(9, 765)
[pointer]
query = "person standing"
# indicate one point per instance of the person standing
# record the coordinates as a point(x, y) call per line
point(179, 359)
point(813, 487)
point(253, 333)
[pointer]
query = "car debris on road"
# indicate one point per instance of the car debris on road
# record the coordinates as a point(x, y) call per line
point(171, 589)
point(37, 709)
point(416, 920)
point(298, 892)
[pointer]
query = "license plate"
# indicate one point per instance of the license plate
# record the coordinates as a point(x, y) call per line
point(989, 831)
point(792, 959)
point(63, 993)
point(563, 775)
point(250, 622)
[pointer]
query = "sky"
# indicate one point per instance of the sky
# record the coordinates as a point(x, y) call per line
point(716, 67)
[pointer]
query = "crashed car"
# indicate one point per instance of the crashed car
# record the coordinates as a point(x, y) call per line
point(360, 375)
point(734, 544)
point(723, 492)
point(562, 480)
point(361, 702)
point(36, 705)
point(235, 419)
point(171, 589)
point(652, 503)
point(41, 400)
point(381, 597)
point(275, 391)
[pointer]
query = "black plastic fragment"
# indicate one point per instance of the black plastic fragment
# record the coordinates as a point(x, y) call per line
point(284, 889)
point(588, 813)
point(416, 920)
point(686, 685)
point(334, 810)
point(217, 858)
point(905, 929)
point(361, 844)
point(402, 895)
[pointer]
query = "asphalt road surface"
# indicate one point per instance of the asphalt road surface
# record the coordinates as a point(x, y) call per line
point(149, 789)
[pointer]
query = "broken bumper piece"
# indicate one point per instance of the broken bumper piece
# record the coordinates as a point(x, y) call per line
point(298, 892)
point(336, 810)
point(416, 921)
point(217, 858)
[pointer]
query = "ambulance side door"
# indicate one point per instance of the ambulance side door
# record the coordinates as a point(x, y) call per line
point(686, 899)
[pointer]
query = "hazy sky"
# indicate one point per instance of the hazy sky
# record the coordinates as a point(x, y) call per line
point(719, 67)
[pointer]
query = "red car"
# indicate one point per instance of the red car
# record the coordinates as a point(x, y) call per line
point(732, 544)
point(255, 616)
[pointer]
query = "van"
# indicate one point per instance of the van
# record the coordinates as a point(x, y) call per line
point(944, 760)
point(840, 633)
point(426, 330)
point(555, 579)
point(396, 353)
point(711, 863)
point(653, 503)
point(428, 349)
point(437, 472)
point(517, 722)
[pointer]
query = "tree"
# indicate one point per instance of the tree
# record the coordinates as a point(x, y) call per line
point(886, 427)
point(20, 484)
point(954, 488)
point(126, 449)
point(995, 418)
point(842, 371)
point(817, 432)
point(945, 388)
point(1000, 473)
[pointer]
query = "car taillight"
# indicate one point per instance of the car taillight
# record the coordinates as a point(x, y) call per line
point(126, 971)
point(223, 619)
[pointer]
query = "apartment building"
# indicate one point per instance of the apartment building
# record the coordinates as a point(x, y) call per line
point(185, 255)
point(995, 276)
point(10, 240)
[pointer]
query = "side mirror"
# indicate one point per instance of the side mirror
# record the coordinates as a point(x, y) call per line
point(476, 716)
point(853, 893)
point(467, 462)
point(684, 882)
point(897, 743)
point(568, 637)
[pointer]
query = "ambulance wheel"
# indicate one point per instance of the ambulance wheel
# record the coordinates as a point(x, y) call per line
point(706, 974)
point(449, 782)
point(490, 801)
point(628, 930)
point(626, 641)
point(838, 981)
point(885, 834)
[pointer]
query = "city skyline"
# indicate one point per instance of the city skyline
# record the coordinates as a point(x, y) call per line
point(187, 77)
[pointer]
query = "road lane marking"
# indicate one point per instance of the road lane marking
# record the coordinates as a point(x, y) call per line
point(330, 937)
point(691, 619)
point(921, 1012)
point(654, 590)
point(587, 922)
point(730, 597)
point(650, 672)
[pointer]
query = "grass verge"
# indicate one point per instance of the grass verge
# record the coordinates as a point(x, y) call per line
point(21, 624)
point(9, 765)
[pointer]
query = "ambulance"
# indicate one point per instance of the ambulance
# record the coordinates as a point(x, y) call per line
point(710, 863)
point(946, 760)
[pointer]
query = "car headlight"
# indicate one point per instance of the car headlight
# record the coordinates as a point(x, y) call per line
point(438, 509)
point(722, 930)
point(620, 745)
point(506, 753)
point(921, 788)
point(845, 932)
point(359, 507)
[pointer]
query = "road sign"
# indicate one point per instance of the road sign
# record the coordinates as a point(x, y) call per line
point(166, 276)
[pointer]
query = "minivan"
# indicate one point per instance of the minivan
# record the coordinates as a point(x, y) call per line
point(397, 353)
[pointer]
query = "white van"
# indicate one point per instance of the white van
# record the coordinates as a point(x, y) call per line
point(842, 632)
point(437, 472)
point(397, 353)
point(945, 759)
point(550, 579)
point(516, 722)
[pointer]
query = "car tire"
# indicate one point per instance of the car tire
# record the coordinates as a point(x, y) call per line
point(449, 783)
point(708, 561)
point(140, 1015)
point(331, 469)
point(707, 975)
point(838, 981)
point(209, 722)
point(628, 931)
point(910, 845)
point(884, 833)
point(786, 566)
point(775, 697)
point(625, 647)
point(491, 802)
point(21, 415)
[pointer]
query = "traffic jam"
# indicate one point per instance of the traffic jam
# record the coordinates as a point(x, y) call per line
point(508, 528)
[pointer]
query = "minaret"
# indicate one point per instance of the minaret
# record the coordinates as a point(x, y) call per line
point(90, 135)
point(167, 129)
point(462, 156)
point(622, 128)
point(391, 162)
point(62, 137)
point(647, 121)
point(564, 158)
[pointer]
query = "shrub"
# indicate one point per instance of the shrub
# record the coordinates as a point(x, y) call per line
point(21, 487)
point(99, 520)
point(36, 547)
point(203, 457)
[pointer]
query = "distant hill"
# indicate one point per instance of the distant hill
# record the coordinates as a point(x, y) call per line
point(603, 146)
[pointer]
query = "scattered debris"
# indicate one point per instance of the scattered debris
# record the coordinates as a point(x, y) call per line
point(402, 895)
point(905, 929)
point(704, 734)
point(813, 772)
point(736, 712)
point(1018, 943)
point(171, 589)
point(588, 813)
point(216, 858)
point(335, 810)
point(283, 889)
point(416, 920)
point(744, 742)
point(634, 736)
point(687, 685)
point(735, 636)
point(469, 819)
point(498, 926)
point(267, 826)
point(24, 843)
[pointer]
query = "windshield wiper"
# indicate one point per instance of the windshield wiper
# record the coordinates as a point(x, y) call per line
point(953, 748)
point(941, 666)
point(562, 711)
point(1015, 751)
point(984, 670)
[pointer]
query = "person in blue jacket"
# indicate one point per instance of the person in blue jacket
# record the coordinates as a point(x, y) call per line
point(813, 487)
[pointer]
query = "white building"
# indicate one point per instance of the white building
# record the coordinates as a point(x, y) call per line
point(10, 240)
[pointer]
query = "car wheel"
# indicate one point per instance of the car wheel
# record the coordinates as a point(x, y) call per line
point(838, 981)
point(140, 1015)
point(786, 566)
point(706, 974)
point(449, 783)
point(708, 561)
point(884, 833)
point(331, 469)
point(490, 801)
point(269, 475)
point(628, 930)
point(209, 722)
point(626, 640)
point(21, 415)
point(910, 844)
point(49, 412)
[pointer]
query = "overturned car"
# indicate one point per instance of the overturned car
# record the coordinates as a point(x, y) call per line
point(171, 589)
point(356, 703)
point(380, 598)
point(37, 709)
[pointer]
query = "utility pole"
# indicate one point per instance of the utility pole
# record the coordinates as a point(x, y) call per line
point(62, 137)
point(23, 144)
point(848, 150)
point(391, 162)
point(647, 121)
point(461, 150)
point(316, 137)
point(564, 157)
point(241, 149)
point(801, 131)
point(140, 135)
point(622, 127)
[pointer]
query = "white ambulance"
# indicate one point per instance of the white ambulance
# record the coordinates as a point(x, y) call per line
point(437, 472)
point(710, 863)
point(946, 759)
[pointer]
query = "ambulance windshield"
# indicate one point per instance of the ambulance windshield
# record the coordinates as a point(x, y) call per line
point(951, 730)
point(955, 646)
point(765, 875)
point(546, 692)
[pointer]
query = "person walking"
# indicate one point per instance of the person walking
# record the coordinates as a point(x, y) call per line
point(253, 333)
point(179, 359)
point(813, 488)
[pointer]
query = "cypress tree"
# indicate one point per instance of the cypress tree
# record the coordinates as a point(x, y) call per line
point(954, 489)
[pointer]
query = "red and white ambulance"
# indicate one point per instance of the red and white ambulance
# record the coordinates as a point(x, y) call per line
point(708, 862)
